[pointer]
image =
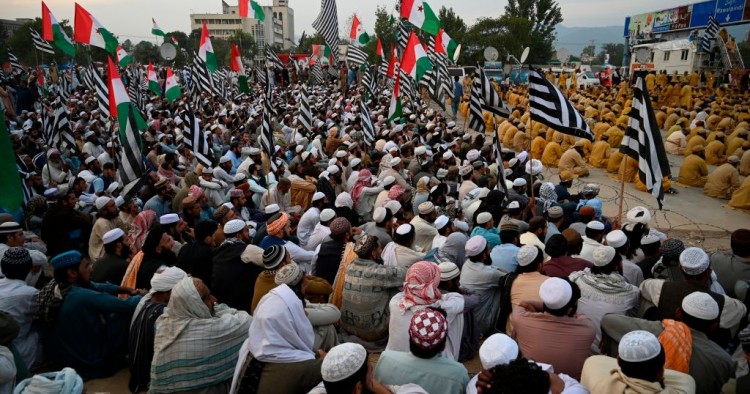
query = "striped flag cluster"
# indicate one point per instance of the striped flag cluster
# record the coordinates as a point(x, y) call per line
point(327, 24)
point(550, 107)
point(266, 136)
point(642, 142)
point(195, 139)
point(40, 44)
point(369, 82)
point(476, 120)
point(491, 101)
point(711, 30)
point(356, 56)
point(305, 111)
point(15, 65)
point(202, 76)
point(402, 36)
point(56, 130)
point(101, 91)
point(272, 58)
point(438, 80)
point(367, 126)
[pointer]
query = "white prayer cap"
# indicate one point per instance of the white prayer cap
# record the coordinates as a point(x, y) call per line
point(701, 306)
point(638, 346)
point(240, 176)
point(527, 254)
point(89, 159)
point(37, 258)
point(167, 279)
point(101, 202)
point(379, 214)
point(355, 162)
point(451, 124)
point(649, 239)
point(420, 150)
point(323, 174)
point(395, 161)
point(518, 182)
point(271, 209)
point(88, 134)
point(112, 236)
point(389, 180)
point(461, 226)
point(332, 162)
point(603, 255)
point(447, 155)
point(555, 293)
point(448, 271)
point(466, 170)
point(318, 196)
point(534, 167)
point(514, 205)
point(484, 217)
point(327, 215)
point(394, 206)
point(208, 170)
point(299, 148)
point(442, 173)
point(305, 155)
point(112, 187)
point(234, 226)
point(616, 238)
point(404, 229)
point(498, 349)
point(224, 159)
point(441, 222)
point(333, 170)
point(390, 145)
point(639, 215)
point(467, 137)
point(483, 192)
point(595, 225)
point(472, 155)
point(343, 361)
point(119, 201)
point(694, 261)
point(169, 218)
point(344, 200)
point(252, 254)
point(475, 245)
point(426, 208)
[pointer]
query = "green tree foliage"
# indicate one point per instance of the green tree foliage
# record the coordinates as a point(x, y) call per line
point(484, 33)
point(543, 15)
point(615, 52)
point(306, 43)
point(453, 24)
point(146, 51)
point(23, 47)
point(588, 50)
point(384, 29)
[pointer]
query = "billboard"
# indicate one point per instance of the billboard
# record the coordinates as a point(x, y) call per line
point(729, 11)
point(692, 16)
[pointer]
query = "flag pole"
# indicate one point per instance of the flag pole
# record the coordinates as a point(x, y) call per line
point(618, 218)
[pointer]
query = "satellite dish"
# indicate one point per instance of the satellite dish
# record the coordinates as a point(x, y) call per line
point(525, 55)
point(167, 51)
point(490, 54)
point(457, 54)
point(563, 55)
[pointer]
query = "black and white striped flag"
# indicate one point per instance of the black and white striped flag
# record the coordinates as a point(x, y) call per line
point(476, 119)
point(317, 74)
point(266, 136)
point(383, 70)
point(101, 90)
point(15, 65)
point(444, 81)
point(195, 138)
point(367, 126)
point(327, 24)
point(88, 79)
point(202, 75)
point(355, 56)
point(305, 112)
point(642, 142)
point(272, 58)
point(402, 36)
point(550, 107)
point(709, 35)
point(64, 86)
point(368, 80)
point(492, 102)
point(40, 44)
point(260, 76)
point(56, 130)
point(25, 174)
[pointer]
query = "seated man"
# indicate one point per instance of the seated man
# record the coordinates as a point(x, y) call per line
point(480, 277)
point(552, 331)
point(422, 365)
point(195, 335)
point(85, 324)
point(639, 367)
point(572, 160)
point(143, 326)
point(694, 171)
point(19, 300)
point(111, 267)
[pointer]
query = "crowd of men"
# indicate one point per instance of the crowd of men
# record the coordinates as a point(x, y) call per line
point(285, 273)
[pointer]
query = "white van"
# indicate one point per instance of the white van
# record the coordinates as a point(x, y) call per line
point(587, 79)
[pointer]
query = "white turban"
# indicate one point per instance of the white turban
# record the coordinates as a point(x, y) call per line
point(167, 279)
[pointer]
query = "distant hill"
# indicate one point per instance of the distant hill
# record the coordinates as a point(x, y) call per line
point(574, 39)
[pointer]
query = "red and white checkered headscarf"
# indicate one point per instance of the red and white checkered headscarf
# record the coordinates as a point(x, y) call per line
point(421, 285)
point(428, 328)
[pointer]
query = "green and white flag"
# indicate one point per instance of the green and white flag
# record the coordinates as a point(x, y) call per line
point(206, 51)
point(123, 57)
point(420, 14)
point(156, 30)
point(52, 31)
point(173, 89)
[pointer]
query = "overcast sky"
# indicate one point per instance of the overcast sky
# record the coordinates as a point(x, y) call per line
point(132, 18)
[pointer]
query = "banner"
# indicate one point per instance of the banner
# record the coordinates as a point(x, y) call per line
point(729, 11)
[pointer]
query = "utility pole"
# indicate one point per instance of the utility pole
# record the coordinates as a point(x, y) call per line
point(593, 51)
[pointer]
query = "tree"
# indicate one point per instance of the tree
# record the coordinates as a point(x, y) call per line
point(246, 43)
point(484, 33)
point(543, 15)
point(23, 47)
point(306, 43)
point(145, 51)
point(589, 50)
point(615, 52)
point(384, 29)
point(452, 24)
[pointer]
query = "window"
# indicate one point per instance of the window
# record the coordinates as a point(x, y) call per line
point(666, 56)
point(684, 54)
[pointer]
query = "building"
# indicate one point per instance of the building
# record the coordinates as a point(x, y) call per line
point(8, 27)
point(278, 27)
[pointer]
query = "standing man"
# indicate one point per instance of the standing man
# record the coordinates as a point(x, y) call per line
point(458, 92)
